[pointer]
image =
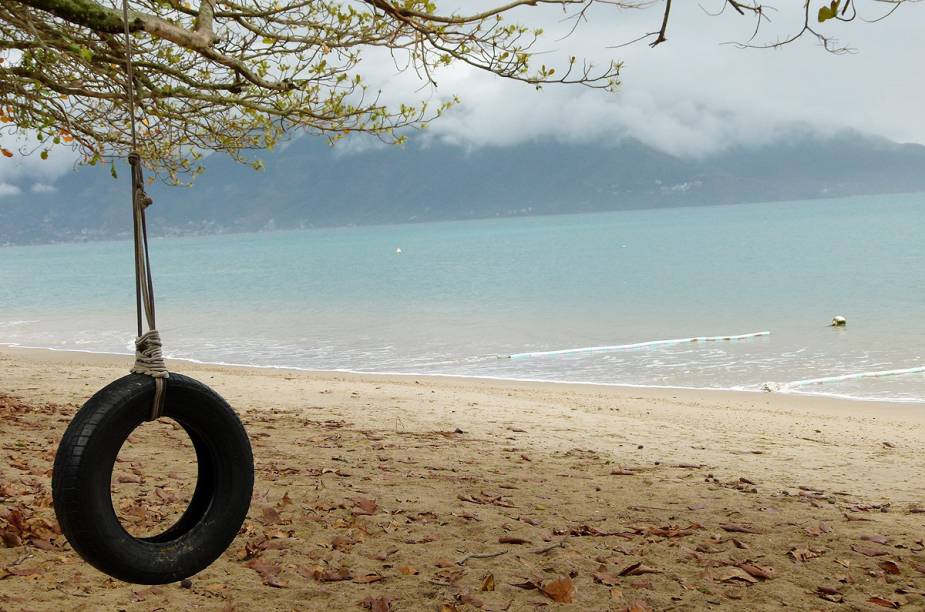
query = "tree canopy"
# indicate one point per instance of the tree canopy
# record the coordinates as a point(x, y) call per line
point(233, 75)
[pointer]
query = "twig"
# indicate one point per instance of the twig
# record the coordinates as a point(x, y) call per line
point(543, 551)
point(480, 556)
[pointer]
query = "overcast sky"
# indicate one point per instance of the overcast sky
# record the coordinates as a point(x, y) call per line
point(690, 96)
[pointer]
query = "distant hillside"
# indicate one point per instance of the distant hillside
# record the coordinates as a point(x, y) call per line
point(309, 184)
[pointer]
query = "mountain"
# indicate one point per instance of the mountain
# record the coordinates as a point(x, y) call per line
point(309, 184)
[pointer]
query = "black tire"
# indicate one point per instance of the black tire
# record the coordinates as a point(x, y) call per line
point(83, 470)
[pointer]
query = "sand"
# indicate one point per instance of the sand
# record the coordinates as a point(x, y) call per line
point(435, 493)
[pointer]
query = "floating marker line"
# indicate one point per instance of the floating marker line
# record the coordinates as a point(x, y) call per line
point(858, 375)
point(621, 347)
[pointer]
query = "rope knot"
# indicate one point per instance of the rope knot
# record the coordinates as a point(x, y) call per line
point(134, 158)
point(148, 356)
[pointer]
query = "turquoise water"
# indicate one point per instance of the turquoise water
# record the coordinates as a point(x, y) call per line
point(462, 296)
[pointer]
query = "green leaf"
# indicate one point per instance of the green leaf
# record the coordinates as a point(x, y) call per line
point(829, 12)
point(44, 154)
point(112, 170)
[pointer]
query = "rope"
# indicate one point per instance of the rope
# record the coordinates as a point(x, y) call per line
point(149, 359)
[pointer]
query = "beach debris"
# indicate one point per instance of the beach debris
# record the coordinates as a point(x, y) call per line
point(890, 567)
point(757, 571)
point(734, 573)
point(560, 590)
point(513, 540)
point(839, 321)
point(830, 593)
point(869, 551)
point(884, 603)
point(638, 569)
point(377, 604)
point(802, 554)
point(739, 528)
point(268, 572)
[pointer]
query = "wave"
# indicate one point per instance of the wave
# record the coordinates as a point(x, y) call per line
point(854, 376)
point(622, 347)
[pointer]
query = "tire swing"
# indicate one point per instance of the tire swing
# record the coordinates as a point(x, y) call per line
point(82, 474)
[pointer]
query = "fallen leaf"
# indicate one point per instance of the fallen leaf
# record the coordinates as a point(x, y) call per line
point(740, 528)
point(890, 567)
point(407, 570)
point(752, 569)
point(488, 582)
point(513, 540)
point(268, 572)
point(606, 578)
point(802, 554)
point(885, 603)
point(269, 515)
point(364, 506)
point(879, 539)
point(829, 593)
point(560, 590)
point(377, 604)
point(637, 569)
point(868, 551)
point(729, 574)
point(368, 578)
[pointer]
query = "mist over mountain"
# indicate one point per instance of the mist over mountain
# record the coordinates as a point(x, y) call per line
point(309, 184)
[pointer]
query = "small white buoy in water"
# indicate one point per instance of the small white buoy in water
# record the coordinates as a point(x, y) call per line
point(839, 321)
point(398, 250)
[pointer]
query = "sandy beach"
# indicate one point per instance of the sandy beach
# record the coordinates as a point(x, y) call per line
point(425, 493)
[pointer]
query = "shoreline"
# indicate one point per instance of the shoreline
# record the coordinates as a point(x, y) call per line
point(724, 417)
point(781, 392)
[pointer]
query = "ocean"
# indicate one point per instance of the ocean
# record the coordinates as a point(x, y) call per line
point(510, 298)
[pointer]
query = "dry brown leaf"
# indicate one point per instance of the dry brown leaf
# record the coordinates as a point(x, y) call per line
point(728, 574)
point(890, 567)
point(753, 569)
point(885, 603)
point(802, 554)
point(637, 569)
point(879, 539)
point(363, 506)
point(407, 570)
point(513, 540)
point(560, 590)
point(739, 528)
point(606, 578)
point(268, 572)
point(377, 604)
point(869, 551)
point(829, 593)
point(488, 582)
point(368, 578)
point(269, 515)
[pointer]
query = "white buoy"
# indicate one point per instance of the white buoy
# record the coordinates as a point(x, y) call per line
point(839, 321)
point(398, 250)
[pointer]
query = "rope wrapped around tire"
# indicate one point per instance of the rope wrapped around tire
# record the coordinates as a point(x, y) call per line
point(83, 469)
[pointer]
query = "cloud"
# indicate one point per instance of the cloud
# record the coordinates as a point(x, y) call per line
point(43, 188)
point(694, 95)
point(24, 169)
point(8, 190)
